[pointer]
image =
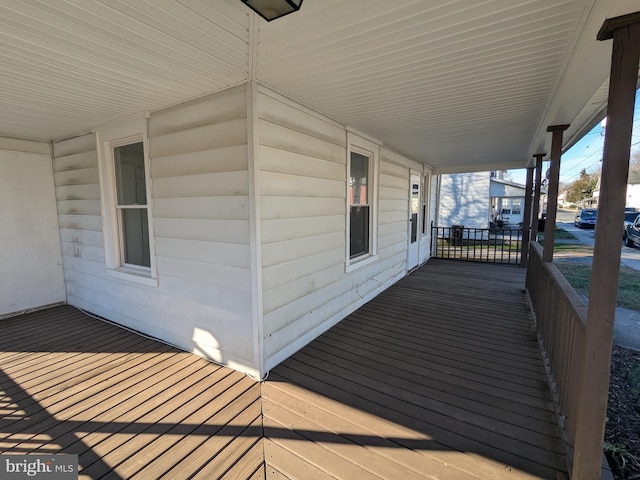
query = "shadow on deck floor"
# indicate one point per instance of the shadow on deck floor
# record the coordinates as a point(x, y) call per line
point(435, 378)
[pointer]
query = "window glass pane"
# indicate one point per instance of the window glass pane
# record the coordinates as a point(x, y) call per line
point(359, 231)
point(135, 236)
point(130, 178)
point(358, 180)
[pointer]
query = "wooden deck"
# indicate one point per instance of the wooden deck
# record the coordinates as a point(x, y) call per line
point(130, 407)
point(435, 378)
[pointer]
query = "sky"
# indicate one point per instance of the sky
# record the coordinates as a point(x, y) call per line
point(587, 153)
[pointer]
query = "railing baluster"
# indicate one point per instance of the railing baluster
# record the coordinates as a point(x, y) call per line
point(477, 244)
point(560, 323)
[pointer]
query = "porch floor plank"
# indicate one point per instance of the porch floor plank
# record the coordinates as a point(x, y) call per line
point(438, 376)
point(129, 406)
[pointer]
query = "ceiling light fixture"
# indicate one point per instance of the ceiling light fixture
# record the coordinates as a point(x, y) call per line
point(272, 9)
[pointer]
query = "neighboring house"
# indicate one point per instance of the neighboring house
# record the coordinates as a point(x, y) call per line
point(475, 200)
point(464, 199)
point(507, 201)
point(633, 188)
point(562, 198)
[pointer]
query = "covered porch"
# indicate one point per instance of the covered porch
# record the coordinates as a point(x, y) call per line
point(437, 377)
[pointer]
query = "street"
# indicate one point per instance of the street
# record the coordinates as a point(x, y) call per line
point(630, 257)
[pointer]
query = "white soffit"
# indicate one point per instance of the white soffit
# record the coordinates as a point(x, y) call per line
point(69, 65)
point(449, 83)
point(459, 85)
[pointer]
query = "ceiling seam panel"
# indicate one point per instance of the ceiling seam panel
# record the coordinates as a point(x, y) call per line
point(83, 67)
point(97, 33)
point(429, 42)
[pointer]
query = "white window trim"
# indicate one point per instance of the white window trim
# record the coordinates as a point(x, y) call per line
point(130, 130)
point(426, 198)
point(370, 149)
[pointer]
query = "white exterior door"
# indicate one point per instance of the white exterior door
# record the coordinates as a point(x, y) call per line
point(413, 255)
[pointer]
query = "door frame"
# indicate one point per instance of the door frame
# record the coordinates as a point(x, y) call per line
point(414, 230)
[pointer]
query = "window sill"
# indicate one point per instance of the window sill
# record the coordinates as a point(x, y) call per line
point(132, 275)
point(358, 263)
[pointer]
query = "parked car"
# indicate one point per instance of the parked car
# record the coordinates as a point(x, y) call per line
point(631, 234)
point(630, 215)
point(585, 218)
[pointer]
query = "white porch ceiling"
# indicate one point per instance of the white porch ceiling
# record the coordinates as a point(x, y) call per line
point(458, 85)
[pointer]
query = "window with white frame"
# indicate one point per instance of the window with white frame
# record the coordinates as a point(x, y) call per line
point(359, 205)
point(516, 206)
point(361, 200)
point(125, 186)
point(131, 204)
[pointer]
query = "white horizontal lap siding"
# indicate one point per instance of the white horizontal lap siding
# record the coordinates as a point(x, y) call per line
point(200, 189)
point(76, 179)
point(30, 261)
point(393, 210)
point(302, 158)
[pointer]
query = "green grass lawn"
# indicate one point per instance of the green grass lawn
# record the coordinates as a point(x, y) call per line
point(563, 235)
point(579, 276)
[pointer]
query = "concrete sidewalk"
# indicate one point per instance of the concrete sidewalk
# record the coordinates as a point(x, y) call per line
point(626, 329)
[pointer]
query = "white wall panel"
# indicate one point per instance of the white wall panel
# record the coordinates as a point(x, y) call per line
point(207, 137)
point(290, 207)
point(303, 185)
point(85, 237)
point(228, 254)
point(289, 140)
point(80, 176)
point(78, 192)
point(82, 222)
point(30, 258)
point(200, 186)
point(223, 231)
point(290, 228)
point(218, 207)
point(76, 161)
point(223, 159)
point(287, 250)
point(217, 109)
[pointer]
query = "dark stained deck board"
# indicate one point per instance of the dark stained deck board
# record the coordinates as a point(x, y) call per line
point(440, 365)
point(435, 378)
point(453, 385)
point(129, 406)
point(440, 348)
point(340, 421)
